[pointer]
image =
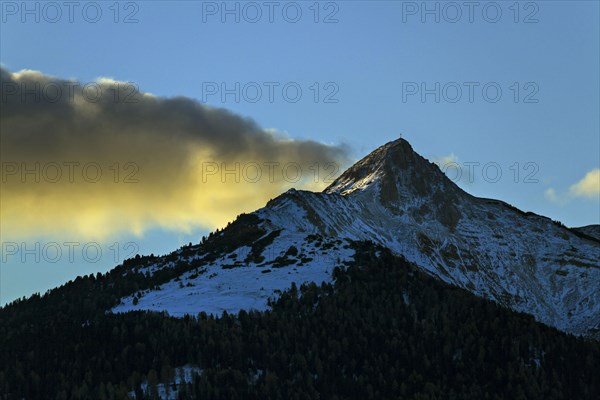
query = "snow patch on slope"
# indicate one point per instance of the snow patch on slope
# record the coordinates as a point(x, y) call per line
point(249, 286)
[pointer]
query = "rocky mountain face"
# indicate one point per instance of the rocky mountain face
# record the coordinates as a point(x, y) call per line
point(399, 200)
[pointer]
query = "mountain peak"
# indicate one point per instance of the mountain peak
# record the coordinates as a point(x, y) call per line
point(402, 181)
point(399, 143)
point(398, 151)
point(397, 171)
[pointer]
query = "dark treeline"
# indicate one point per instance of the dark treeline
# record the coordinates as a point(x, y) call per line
point(383, 330)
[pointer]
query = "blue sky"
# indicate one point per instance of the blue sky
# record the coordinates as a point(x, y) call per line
point(366, 59)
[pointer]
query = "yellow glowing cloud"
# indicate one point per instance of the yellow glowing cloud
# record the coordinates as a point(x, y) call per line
point(588, 186)
point(98, 167)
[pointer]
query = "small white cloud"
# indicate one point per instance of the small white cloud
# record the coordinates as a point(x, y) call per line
point(455, 171)
point(553, 197)
point(27, 73)
point(107, 80)
point(589, 186)
point(444, 160)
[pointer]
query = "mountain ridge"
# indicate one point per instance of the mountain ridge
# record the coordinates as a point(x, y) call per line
point(399, 200)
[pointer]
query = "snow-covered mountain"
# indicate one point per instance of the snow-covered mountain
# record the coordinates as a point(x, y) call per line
point(399, 200)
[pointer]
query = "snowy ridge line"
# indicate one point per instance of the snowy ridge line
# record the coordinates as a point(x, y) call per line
point(399, 200)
